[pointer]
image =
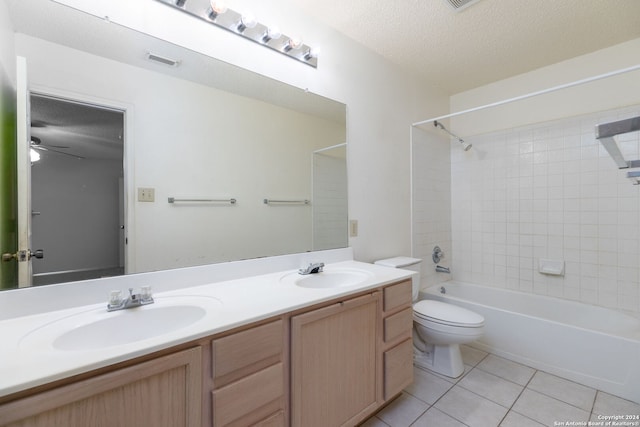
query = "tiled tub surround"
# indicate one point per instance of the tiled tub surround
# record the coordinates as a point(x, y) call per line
point(247, 294)
point(549, 190)
point(497, 392)
point(591, 345)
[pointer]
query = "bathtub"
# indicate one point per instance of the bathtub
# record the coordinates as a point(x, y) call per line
point(590, 345)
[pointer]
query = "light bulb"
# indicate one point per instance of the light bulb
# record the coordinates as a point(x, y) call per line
point(311, 53)
point(293, 43)
point(217, 7)
point(247, 21)
point(272, 33)
point(34, 155)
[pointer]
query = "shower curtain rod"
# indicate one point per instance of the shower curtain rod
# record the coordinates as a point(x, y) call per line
point(532, 94)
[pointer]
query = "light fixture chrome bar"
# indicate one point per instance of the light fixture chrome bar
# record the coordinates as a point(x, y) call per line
point(290, 202)
point(232, 21)
point(174, 200)
point(606, 132)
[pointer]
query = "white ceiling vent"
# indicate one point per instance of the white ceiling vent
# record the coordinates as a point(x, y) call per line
point(458, 5)
point(162, 59)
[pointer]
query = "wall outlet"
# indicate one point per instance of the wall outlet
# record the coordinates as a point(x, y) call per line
point(353, 228)
point(146, 194)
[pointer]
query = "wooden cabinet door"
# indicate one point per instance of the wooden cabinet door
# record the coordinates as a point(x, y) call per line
point(166, 391)
point(333, 357)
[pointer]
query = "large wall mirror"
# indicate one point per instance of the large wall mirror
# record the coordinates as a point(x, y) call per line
point(255, 167)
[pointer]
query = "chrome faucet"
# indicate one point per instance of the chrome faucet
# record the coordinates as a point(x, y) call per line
point(313, 268)
point(116, 302)
point(441, 269)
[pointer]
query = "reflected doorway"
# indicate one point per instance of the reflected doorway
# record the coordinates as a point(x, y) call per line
point(77, 190)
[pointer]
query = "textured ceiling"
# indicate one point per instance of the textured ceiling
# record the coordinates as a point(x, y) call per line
point(485, 42)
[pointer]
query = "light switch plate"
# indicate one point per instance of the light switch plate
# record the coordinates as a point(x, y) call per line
point(146, 194)
point(353, 228)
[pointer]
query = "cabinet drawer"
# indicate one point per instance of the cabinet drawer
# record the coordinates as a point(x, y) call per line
point(396, 296)
point(251, 399)
point(398, 368)
point(243, 353)
point(398, 325)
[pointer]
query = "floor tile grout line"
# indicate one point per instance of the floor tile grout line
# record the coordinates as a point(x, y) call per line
point(563, 401)
point(517, 398)
point(448, 390)
point(438, 399)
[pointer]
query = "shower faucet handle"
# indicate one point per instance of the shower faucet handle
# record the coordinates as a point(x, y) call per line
point(437, 255)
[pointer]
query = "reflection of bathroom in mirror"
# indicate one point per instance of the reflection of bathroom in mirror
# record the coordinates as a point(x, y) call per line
point(200, 130)
point(330, 197)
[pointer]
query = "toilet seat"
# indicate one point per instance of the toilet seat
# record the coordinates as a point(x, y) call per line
point(446, 314)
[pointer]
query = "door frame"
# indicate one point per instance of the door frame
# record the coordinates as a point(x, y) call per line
point(23, 171)
point(128, 157)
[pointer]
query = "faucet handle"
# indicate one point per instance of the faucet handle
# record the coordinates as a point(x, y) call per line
point(115, 297)
point(437, 255)
point(145, 293)
point(313, 267)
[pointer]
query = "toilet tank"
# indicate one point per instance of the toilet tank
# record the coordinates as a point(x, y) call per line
point(406, 263)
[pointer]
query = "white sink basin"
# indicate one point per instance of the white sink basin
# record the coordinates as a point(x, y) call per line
point(329, 278)
point(98, 329)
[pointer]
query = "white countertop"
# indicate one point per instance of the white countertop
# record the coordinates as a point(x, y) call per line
point(27, 359)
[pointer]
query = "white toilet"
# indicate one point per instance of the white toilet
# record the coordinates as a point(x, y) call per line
point(438, 328)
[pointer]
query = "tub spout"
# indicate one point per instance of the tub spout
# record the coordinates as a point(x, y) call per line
point(441, 269)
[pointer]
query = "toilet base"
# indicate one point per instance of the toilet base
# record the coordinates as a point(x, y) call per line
point(442, 359)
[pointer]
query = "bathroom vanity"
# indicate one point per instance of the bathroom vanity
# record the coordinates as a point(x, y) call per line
point(307, 354)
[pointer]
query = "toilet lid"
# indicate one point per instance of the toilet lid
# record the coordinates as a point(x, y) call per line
point(450, 314)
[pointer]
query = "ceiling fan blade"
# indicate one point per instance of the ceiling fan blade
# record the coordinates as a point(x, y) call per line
point(41, 148)
point(56, 146)
point(39, 124)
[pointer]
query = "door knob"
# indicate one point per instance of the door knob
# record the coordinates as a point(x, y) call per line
point(38, 253)
point(23, 255)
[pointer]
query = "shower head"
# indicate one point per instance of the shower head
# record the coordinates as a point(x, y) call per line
point(465, 145)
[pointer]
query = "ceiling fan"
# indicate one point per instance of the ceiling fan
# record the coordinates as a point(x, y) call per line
point(36, 144)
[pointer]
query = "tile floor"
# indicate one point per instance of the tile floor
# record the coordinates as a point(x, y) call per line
point(498, 392)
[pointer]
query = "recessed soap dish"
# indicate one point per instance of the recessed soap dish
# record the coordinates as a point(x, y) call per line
point(551, 267)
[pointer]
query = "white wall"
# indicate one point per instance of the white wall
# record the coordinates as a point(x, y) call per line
point(599, 95)
point(7, 49)
point(381, 102)
point(537, 184)
point(78, 226)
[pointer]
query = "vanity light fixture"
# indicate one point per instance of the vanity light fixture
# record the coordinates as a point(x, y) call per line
point(245, 25)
